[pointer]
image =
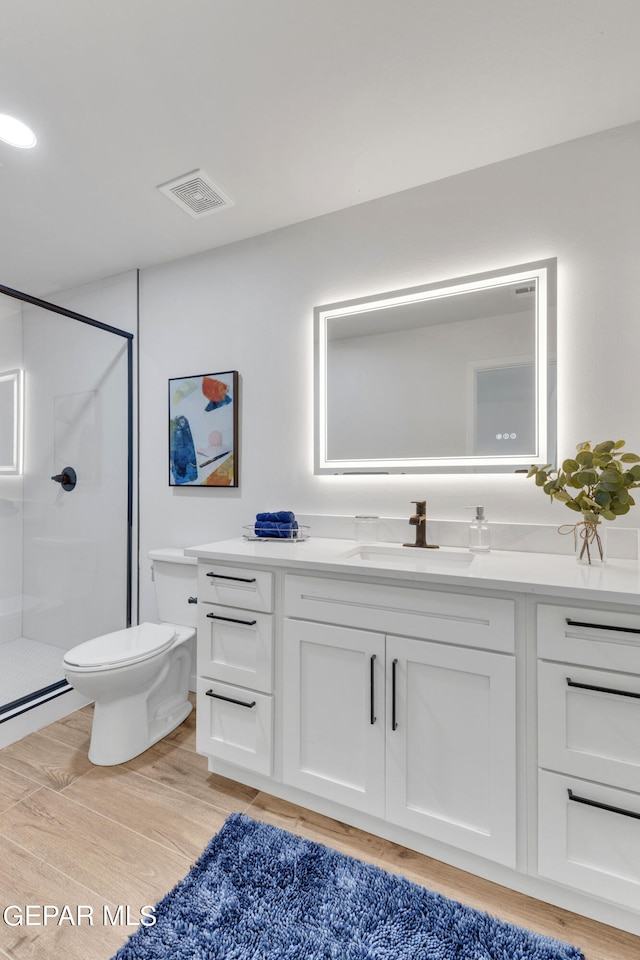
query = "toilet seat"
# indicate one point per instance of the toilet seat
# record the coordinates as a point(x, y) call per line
point(122, 647)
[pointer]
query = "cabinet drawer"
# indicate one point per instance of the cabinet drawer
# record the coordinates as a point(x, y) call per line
point(236, 646)
point(594, 848)
point(594, 638)
point(235, 725)
point(589, 723)
point(416, 612)
point(240, 587)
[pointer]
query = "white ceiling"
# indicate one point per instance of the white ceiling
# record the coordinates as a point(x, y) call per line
point(295, 108)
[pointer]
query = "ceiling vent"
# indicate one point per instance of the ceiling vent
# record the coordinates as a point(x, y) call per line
point(196, 194)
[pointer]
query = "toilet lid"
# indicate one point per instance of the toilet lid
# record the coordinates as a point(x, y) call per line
point(123, 646)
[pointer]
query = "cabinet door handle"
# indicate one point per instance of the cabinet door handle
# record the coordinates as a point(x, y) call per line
point(240, 703)
point(372, 715)
point(591, 686)
point(245, 623)
point(394, 666)
point(224, 576)
point(603, 806)
point(602, 626)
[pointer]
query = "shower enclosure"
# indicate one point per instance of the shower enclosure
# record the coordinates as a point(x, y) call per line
point(65, 499)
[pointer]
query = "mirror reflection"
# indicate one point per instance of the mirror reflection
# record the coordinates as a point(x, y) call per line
point(458, 375)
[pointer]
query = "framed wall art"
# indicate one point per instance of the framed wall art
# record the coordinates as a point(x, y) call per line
point(203, 430)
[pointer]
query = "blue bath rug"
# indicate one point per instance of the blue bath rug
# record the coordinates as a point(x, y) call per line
point(258, 893)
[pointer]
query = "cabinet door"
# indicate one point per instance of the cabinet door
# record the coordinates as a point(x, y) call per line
point(333, 713)
point(451, 770)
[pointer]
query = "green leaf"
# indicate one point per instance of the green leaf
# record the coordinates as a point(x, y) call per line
point(630, 458)
point(602, 498)
point(532, 471)
point(618, 444)
point(612, 486)
point(574, 505)
point(583, 446)
point(562, 495)
point(570, 466)
point(584, 458)
point(610, 476)
point(541, 478)
point(572, 482)
point(586, 478)
point(605, 447)
point(608, 515)
point(618, 509)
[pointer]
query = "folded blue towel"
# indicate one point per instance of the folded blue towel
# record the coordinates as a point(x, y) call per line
point(282, 530)
point(280, 516)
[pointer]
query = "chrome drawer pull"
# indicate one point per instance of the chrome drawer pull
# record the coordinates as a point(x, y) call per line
point(603, 806)
point(245, 623)
point(240, 703)
point(223, 576)
point(602, 626)
point(590, 686)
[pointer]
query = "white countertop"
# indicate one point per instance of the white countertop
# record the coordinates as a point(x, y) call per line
point(536, 573)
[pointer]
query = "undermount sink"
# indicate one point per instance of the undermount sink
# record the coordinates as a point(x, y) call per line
point(407, 558)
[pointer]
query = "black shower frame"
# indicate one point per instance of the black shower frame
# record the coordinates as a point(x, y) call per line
point(54, 690)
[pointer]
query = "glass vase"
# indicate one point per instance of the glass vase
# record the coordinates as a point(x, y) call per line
point(589, 542)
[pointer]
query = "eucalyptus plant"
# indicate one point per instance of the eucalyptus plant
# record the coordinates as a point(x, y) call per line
point(596, 482)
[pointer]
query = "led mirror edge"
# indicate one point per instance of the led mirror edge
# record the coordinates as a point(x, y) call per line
point(544, 271)
point(15, 467)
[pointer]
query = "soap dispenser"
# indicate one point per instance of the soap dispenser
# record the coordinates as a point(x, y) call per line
point(479, 534)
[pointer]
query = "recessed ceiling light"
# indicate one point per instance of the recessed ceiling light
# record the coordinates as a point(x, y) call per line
point(15, 132)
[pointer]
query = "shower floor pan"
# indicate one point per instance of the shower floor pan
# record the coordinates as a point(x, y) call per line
point(27, 666)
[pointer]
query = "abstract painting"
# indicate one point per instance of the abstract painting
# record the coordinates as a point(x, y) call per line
point(203, 430)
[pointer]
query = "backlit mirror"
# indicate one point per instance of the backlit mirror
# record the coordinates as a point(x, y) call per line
point(11, 422)
point(457, 376)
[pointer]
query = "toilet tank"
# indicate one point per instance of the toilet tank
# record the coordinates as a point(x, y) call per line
point(175, 580)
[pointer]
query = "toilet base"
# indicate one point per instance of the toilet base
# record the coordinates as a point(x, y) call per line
point(121, 729)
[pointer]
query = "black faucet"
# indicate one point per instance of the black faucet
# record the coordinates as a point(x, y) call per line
point(419, 521)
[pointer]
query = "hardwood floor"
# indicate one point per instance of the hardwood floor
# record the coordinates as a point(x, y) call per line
point(93, 839)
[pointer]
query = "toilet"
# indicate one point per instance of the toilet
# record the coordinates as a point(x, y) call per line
point(139, 677)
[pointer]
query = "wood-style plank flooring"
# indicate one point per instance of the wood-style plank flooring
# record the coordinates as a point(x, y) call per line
point(99, 838)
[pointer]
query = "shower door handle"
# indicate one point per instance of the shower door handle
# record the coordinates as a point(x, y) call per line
point(67, 479)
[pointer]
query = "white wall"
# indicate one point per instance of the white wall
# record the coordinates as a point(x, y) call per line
point(249, 306)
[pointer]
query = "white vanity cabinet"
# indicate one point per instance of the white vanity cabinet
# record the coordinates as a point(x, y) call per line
point(589, 750)
point(417, 729)
point(488, 716)
point(235, 666)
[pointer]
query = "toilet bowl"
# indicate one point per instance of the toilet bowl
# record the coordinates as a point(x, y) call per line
point(139, 677)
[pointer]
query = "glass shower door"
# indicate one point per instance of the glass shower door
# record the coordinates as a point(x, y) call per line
point(66, 514)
